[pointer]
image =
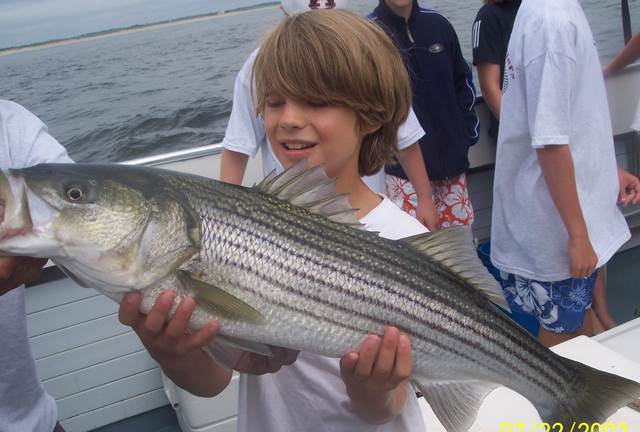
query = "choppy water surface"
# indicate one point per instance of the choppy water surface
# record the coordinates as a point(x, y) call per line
point(159, 90)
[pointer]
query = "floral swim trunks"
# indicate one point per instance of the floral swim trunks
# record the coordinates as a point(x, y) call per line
point(451, 198)
point(558, 306)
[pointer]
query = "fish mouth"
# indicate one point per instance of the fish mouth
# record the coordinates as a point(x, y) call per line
point(15, 218)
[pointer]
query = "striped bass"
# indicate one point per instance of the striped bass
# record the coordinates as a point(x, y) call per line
point(285, 264)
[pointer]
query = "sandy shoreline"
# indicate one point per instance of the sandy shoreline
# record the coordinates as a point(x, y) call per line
point(127, 31)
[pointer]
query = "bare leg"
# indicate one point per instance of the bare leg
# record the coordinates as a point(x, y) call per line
point(550, 339)
point(596, 324)
point(600, 305)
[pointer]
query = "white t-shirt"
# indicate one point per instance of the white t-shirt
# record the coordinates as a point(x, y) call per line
point(24, 406)
point(553, 94)
point(245, 131)
point(309, 395)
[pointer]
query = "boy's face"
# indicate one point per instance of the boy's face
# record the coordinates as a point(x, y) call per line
point(322, 134)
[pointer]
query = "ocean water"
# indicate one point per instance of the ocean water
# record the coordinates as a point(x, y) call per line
point(160, 90)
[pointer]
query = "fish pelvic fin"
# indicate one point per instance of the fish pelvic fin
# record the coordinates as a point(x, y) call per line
point(312, 189)
point(592, 397)
point(219, 302)
point(453, 248)
point(455, 403)
point(226, 350)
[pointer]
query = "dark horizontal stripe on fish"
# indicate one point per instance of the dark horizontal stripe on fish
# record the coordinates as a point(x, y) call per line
point(305, 229)
point(519, 351)
point(349, 326)
point(243, 266)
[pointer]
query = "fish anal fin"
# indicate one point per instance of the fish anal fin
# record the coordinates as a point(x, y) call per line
point(219, 302)
point(453, 248)
point(456, 403)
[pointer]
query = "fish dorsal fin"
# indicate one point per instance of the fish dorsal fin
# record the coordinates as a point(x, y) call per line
point(456, 404)
point(311, 189)
point(219, 302)
point(453, 247)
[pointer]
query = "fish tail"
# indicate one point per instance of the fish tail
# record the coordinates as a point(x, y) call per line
point(592, 397)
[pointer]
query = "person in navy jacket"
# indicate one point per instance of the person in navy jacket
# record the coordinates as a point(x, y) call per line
point(443, 100)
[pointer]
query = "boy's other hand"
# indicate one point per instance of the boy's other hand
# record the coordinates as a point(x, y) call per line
point(258, 364)
point(629, 188)
point(375, 376)
point(16, 271)
point(582, 257)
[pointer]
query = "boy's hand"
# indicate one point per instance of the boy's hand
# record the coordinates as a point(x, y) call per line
point(375, 376)
point(427, 214)
point(16, 271)
point(629, 188)
point(257, 364)
point(582, 258)
point(166, 338)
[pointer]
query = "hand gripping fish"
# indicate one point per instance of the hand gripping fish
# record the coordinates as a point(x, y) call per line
point(284, 263)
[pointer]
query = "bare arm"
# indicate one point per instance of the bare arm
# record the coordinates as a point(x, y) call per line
point(559, 174)
point(489, 77)
point(233, 166)
point(179, 354)
point(629, 54)
point(412, 163)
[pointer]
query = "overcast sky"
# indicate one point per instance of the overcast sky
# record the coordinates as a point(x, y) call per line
point(27, 21)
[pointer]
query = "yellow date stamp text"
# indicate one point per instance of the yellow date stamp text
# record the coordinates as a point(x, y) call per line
point(558, 427)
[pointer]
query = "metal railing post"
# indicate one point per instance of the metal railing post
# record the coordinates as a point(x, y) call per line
point(626, 20)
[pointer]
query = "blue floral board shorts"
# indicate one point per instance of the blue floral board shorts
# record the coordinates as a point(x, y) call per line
point(558, 306)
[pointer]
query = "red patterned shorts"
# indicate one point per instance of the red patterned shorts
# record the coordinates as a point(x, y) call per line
point(451, 198)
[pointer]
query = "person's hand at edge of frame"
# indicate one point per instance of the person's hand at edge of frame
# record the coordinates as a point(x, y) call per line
point(16, 271)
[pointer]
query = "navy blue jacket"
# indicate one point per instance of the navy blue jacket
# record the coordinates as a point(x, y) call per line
point(443, 91)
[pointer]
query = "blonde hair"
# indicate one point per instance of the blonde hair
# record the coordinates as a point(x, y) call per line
point(337, 58)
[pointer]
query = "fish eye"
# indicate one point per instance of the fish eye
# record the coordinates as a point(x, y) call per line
point(75, 194)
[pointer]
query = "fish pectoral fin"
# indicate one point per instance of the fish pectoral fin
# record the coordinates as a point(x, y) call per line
point(453, 248)
point(220, 302)
point(313, 190)
point(456, 403)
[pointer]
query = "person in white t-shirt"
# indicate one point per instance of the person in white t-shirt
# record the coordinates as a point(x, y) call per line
point(245, 134)
point(349, 124)
point(555, 218)
point(24, 405)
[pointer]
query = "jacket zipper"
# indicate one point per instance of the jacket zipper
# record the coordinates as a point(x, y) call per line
point(409, 35)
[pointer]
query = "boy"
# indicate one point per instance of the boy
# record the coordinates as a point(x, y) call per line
point(555, 219)
point(336, 101)
point(245, 134)
point(490, 37)
point(443, 100)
